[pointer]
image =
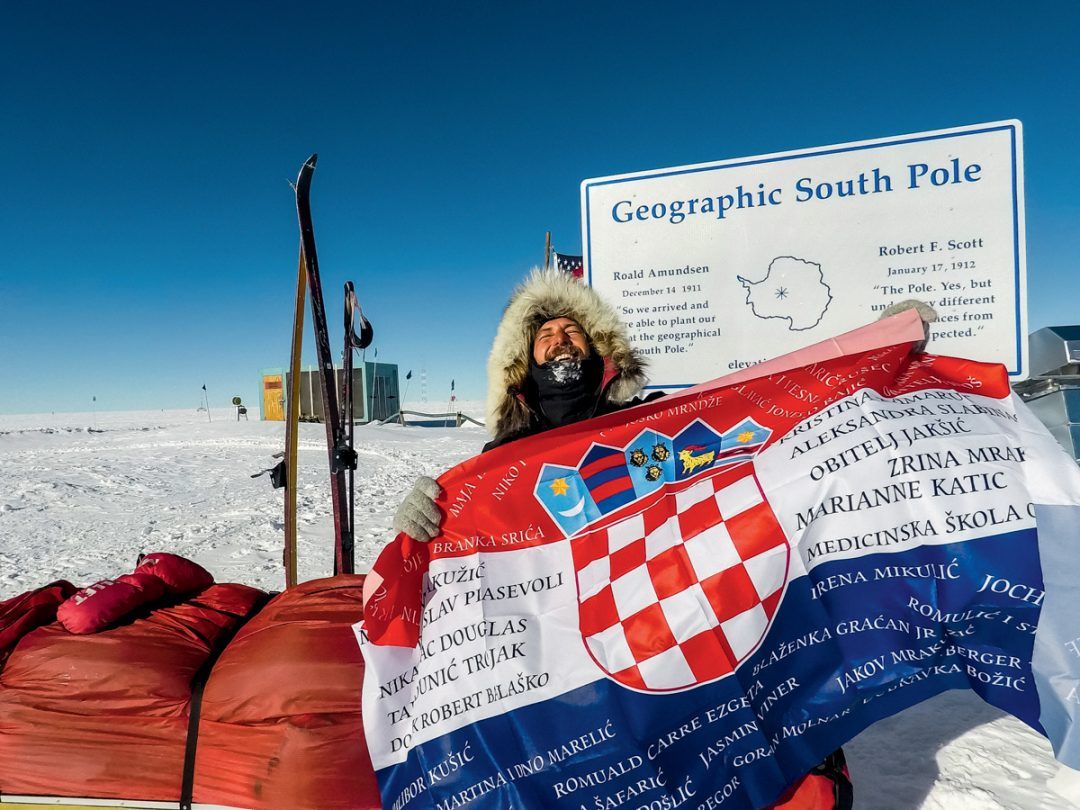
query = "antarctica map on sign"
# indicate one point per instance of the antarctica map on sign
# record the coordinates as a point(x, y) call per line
point(717, 267)
point(793, 290)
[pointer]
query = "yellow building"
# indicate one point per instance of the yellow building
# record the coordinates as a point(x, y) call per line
point(375, 393)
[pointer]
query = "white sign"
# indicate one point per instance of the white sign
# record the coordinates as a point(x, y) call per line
point(719, 266)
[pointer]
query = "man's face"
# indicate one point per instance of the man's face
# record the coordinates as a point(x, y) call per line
point(560, 339)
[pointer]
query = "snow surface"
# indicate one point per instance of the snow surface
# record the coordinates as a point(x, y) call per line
point(81, 495)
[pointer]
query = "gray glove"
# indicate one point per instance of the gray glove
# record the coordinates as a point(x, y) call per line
point(418, 516)
point(926, 312)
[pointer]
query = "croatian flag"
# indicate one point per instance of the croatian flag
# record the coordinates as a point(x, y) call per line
point(680, 592)
point(693, 602)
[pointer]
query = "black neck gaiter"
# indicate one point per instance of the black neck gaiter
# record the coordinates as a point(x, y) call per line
point(564, 396)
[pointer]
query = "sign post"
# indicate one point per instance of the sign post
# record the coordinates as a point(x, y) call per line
point(719, 266)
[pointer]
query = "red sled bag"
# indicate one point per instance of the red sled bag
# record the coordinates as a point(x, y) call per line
point(104, 603)
point(152, 587)
point(21, 614)
point(181, 576)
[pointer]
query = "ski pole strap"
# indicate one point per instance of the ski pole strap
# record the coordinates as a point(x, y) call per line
point(198, 684)
point(278, 476)
point(352, 305)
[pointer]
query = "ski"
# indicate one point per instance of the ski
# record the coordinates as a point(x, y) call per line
point(337, 449)
point(292, 424)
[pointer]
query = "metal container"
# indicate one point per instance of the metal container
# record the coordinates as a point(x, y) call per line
point(1053, 389)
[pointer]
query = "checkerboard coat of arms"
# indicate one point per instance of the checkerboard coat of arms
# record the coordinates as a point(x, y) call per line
point(679, 560)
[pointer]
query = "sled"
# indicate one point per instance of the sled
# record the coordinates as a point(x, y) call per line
point(111, 719)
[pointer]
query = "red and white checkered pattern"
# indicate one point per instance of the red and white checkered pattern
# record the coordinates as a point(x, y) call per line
point(680, 592)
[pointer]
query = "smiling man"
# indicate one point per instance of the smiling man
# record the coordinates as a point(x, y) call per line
point(561, 354)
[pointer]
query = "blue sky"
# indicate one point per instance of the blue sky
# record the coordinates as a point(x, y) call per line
point(149, 235)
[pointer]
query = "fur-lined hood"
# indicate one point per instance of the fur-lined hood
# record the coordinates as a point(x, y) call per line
point(544, 295)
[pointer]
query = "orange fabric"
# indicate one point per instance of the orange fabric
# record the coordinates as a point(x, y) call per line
point(28, 611)
point(281, 723)
point(105, 715)
point(811, 792)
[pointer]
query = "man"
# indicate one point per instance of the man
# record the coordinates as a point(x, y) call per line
point(562, 354)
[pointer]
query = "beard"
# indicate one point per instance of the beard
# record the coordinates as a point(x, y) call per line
point(566, 386)
point(566, 364)
point(566, 371)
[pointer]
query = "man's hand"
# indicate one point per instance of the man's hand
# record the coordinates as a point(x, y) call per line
point(926, 312)
point(418, 516)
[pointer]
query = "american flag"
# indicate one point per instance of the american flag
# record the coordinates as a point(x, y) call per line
point(570, 264)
